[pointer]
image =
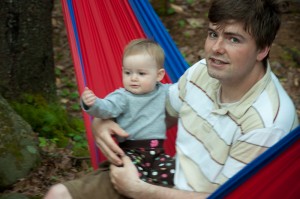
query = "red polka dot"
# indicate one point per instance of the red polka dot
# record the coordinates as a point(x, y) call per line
point(164, 175)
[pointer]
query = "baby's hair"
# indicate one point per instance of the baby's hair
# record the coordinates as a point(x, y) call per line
point(139, 46)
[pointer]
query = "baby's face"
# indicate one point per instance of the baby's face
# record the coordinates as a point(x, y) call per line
point(140, 73)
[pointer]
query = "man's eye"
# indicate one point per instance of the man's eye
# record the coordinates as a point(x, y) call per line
point(212, 34)
point(234, 40)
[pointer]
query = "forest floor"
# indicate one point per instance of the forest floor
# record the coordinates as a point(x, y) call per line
point(187, 26)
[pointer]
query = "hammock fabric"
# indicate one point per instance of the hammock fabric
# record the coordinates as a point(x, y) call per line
point(274, 174)
point(98, 30)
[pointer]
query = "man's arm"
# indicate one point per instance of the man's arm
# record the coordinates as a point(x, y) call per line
point(103, 131)
point(126, 181)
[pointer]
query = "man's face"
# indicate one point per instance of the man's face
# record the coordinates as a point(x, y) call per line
point(231, 53)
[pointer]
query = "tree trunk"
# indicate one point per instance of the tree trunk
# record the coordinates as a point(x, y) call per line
point(26, 51)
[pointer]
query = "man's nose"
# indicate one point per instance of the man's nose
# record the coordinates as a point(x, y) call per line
point(218, 46)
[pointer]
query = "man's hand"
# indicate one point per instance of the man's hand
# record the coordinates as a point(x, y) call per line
point(125, 178)
point(103, 131)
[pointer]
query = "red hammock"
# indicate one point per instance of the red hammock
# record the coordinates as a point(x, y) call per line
point(274, 174)
point(98, 31)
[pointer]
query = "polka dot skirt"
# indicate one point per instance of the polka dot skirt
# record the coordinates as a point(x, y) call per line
point(154, 166)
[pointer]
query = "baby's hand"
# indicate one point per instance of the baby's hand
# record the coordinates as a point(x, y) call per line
point(88, 97)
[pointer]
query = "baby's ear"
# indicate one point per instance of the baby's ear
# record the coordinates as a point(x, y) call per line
point(160, 74)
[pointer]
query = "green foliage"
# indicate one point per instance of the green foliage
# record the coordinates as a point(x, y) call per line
point(43, 142)
point(206, 14)
point(181, 23)
point(187, 34)
point(74, 95)
point(57, 72)
point(292, 56)
point(170, 11)
point(52, 123)
point(75, 107)
point(190, 1)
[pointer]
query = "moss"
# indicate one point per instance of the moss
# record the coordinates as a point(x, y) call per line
point(9, 122)
point(13, 148)
point(49, 120)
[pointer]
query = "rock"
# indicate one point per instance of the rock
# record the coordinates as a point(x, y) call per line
point(18, 146)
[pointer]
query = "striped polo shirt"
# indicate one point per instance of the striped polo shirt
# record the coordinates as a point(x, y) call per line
point(216, 140)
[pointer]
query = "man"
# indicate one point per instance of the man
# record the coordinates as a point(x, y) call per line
point(230, 108)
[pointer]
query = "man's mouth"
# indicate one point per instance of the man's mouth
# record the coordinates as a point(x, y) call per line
point(218, 61)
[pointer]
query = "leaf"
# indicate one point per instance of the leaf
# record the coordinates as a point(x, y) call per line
point(196, 22)
point(176, 8)
point(31, 149)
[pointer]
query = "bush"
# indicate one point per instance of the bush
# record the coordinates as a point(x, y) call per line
point(52, 122)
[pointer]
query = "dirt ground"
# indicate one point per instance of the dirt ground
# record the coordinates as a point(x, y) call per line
point(187, 26)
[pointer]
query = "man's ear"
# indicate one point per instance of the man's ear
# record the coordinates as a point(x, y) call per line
point(160, 74)
point(262, 53)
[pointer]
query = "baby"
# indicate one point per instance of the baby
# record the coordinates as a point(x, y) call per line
point(139, 108)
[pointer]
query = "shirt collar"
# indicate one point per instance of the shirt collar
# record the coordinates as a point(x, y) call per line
point(238, 109)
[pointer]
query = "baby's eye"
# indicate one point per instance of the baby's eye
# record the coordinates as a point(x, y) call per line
point(126, 72)
point(142, 73)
